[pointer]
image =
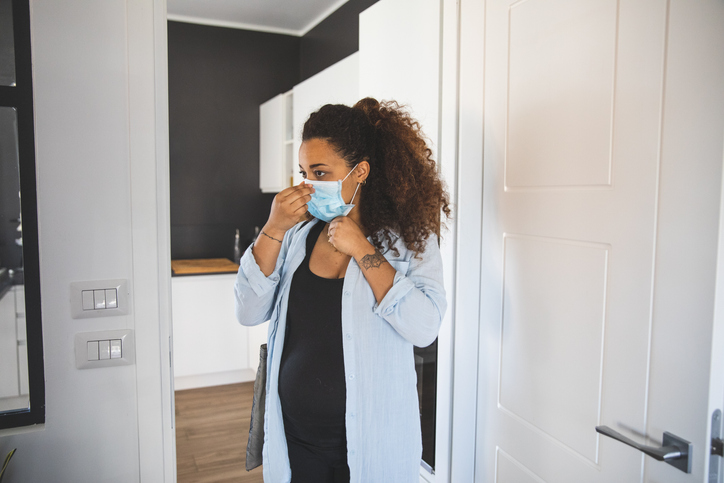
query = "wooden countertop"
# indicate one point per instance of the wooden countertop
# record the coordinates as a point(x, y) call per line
point(203, 266)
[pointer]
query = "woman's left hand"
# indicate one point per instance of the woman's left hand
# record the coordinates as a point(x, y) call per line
point(346, 236)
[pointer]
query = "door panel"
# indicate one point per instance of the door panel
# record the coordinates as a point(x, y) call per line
point(509, 470)
point(573, 94)
point(554, 49)
point(554, 298)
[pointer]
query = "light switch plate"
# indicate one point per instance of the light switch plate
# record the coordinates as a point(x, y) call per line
point(123, 298)
point(128, 348)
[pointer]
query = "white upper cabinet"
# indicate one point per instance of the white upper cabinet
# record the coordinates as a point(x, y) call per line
point(275, 143)
point(282, 119)
point(337, 84)
point(400, 59)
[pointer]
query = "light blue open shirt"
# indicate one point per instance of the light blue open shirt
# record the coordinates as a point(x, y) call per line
point(382, 416)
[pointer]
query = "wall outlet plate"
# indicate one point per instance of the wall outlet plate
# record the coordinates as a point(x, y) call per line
point(76, 298)
point(128, 348)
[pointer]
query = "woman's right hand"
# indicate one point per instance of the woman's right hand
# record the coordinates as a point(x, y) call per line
point(287, 209)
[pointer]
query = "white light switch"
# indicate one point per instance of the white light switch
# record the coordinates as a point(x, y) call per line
point(104, 349)
point(99, 296)
point(88, 303)
point(115, 348)
point(111, 300)
point(93, 350)
point(112, 348)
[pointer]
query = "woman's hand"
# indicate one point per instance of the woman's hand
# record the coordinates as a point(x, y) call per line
point(346, 236)
point(288, 207)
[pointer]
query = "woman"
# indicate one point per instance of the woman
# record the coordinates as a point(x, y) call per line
point(348, 292)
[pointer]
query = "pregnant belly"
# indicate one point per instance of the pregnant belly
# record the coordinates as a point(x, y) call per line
point(312, 393)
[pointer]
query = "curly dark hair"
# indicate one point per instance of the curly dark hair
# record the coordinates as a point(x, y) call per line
point(404, 194)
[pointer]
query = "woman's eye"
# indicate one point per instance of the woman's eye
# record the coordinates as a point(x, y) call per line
point(304, 175)
point(319, 174)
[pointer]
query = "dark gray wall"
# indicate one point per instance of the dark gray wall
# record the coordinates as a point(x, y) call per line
point(218, 77)
point(333, 39)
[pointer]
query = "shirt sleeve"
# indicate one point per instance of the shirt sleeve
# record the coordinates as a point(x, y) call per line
point(255, 293)
point(416, 304)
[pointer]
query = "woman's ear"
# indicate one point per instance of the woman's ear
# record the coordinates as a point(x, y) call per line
point(362, 171)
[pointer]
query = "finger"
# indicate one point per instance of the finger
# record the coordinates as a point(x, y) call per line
point(301, 201)
point(301, 209)
point(303, 192)
point(289, 194)
point(305, 186)
point(299, 196)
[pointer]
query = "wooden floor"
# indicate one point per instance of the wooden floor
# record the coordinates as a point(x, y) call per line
point(212, 428)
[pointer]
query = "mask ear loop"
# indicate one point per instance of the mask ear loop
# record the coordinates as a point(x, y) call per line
point(355, 190)
point(355, 193)
point(350, 172)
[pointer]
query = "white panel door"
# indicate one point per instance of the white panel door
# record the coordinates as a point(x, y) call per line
point(594, 302)
point(337, 84)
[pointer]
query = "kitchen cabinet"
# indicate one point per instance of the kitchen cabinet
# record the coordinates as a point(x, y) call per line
point(209, 346)
point(390, 70)
point(9, 386)
point(282, 118)
point(19, 294)
point(275, 143)
point(13, 345)
point(337, 84)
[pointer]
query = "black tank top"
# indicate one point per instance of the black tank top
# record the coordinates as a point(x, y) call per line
point(312, 387)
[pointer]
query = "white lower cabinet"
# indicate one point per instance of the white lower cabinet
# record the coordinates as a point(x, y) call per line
point(19, 291)
point(9, 386)
point(209, 346)
point(13, 346)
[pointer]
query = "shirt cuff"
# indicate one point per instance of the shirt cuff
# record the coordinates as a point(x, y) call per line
point(259, 283)
point(400, 287)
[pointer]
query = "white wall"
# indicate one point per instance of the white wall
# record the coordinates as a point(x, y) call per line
point(98, 211)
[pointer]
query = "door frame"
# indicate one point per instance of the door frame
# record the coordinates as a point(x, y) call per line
point(469, 36)
point(716, 374)
point(150, 213)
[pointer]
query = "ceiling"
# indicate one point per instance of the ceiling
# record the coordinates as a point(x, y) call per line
point(292, 17)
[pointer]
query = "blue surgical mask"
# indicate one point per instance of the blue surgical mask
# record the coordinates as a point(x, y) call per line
point(327, 203)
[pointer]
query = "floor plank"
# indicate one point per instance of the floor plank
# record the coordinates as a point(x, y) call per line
point(212, 428)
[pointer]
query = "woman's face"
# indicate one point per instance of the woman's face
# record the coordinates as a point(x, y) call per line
point(319, 161)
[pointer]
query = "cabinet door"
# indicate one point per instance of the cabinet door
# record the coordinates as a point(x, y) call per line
point(389, 69)
point(19, 291)
point(8, 347)
point(337, 84)
point(210, 346)
point(273, 172)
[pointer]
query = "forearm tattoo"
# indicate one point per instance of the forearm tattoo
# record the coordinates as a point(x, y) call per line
point(372, 261)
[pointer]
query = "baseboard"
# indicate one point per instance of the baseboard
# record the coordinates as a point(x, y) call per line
point(213, 379)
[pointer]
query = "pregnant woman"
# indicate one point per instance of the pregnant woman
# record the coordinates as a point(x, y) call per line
point(347, 269)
